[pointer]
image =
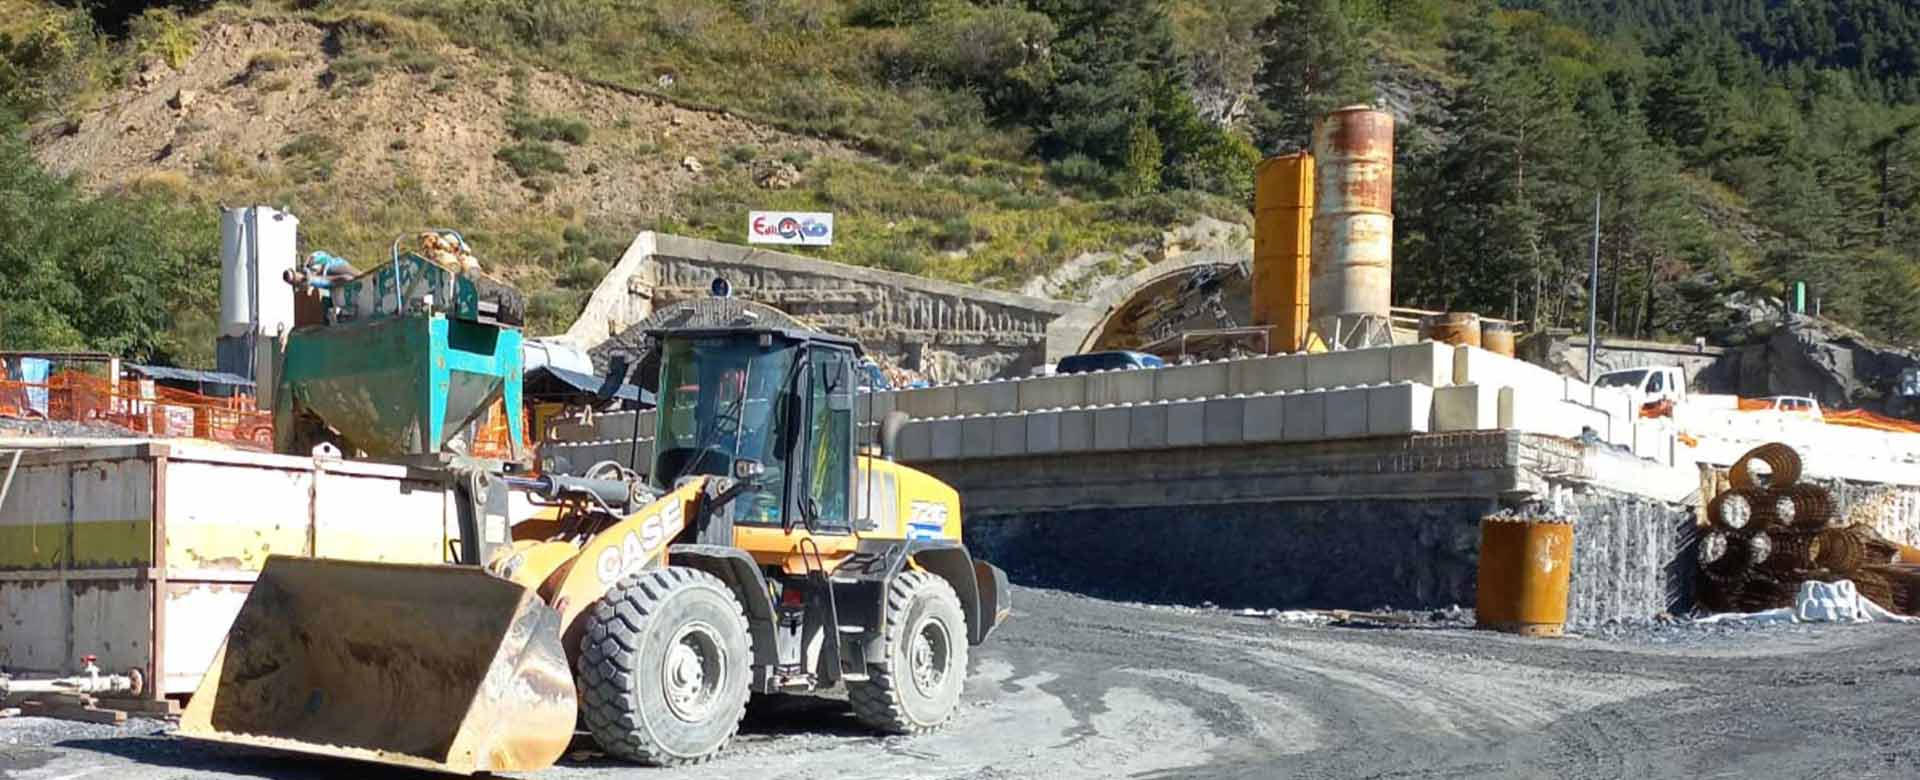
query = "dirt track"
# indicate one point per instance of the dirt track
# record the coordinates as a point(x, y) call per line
point(1081, 688)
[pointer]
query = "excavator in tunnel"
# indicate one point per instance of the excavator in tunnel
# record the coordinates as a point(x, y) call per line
point(767, 551)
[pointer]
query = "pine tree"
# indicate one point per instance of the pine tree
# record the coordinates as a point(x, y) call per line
point(1315, 61)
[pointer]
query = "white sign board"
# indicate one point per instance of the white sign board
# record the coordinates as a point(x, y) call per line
point(790, 227)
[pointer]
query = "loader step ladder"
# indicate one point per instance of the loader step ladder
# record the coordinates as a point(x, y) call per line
point(851, 670)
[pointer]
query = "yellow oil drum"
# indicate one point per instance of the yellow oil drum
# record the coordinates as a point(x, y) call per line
point(1497, 336)
point(1526, 566)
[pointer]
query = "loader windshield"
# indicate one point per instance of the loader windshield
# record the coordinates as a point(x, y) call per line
point(719, 404)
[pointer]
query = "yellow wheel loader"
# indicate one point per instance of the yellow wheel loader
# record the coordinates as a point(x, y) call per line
point(767, 552)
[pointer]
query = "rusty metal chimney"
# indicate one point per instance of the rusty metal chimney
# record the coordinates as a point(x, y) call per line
point(1351, 289)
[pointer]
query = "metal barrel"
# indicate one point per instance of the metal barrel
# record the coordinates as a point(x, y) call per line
point(443, 668)
point(1457, 328)
point(1352, 265)
point(1496, 336)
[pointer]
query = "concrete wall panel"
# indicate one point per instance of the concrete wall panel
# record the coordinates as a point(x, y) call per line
point(1429, 362)
point(1110, 427)
point(1148, 428)
point(1076, 430)
point(1187, 423)
point(1265, 417)
point(1303, 416)
point(1003, 396)
point(1349, 368)
point(1042, 431)
point(916, 441)
point(1347, 413)
point(1271, 374)
point(946, 438)
point(1466, 408)
point(1398, 409)
point(1120, 387)
point(1009, 435)
point(927, 402)
point(976, 437)
point(972, 399)
point(1201, 380)
point(1053, 392)
point(1223, 421)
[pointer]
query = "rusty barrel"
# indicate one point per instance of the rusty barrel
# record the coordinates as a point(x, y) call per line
point(1457, 328)
point(1526, 567)
point(1351, 275)
point(1497, 336)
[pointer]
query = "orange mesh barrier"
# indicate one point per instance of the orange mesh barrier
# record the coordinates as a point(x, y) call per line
point(490, 436)
point(141, 407)
point(1857, 418)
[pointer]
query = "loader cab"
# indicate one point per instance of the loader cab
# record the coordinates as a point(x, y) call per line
point(772, 407)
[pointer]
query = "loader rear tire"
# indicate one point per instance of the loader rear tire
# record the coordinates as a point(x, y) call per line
point(664, 667)
point(918, 687)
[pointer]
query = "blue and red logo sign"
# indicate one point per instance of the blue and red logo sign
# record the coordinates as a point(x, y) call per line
point(788, 227)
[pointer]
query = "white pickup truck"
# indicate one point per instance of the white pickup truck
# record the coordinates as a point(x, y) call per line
point(1648, 385)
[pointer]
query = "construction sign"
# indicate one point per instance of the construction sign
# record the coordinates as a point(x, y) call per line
point(790, 227)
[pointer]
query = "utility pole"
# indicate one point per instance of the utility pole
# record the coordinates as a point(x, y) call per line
point(1593, 302)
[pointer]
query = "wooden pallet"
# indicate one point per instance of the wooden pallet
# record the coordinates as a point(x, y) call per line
point(86, 708)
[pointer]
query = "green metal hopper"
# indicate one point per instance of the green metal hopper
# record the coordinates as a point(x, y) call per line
point(414, 355)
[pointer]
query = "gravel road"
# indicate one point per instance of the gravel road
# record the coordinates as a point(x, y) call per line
point(1075, 687)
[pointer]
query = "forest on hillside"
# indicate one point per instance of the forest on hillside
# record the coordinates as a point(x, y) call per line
point(1731, 144)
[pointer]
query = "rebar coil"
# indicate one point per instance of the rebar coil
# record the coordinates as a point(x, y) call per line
point(1813, 506)
point(1790, 551)
point(1732, 510)
point(1762, 593)
point(1852, 547)
point(1782, 467)
point(1725, 558)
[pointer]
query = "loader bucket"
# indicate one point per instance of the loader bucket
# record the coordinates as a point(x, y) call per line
point(433, 667)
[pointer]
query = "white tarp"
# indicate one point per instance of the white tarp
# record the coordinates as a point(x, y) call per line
point(1819, 602)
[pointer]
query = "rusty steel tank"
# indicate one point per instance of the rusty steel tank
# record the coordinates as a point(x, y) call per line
point(1351, 288)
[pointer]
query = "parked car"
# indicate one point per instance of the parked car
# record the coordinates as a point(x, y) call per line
point(1107, 361)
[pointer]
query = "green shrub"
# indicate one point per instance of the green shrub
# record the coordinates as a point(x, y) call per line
point(551, 310)
point(356, 69)
point(415, 61)
point(532, 158)
point(891, 13)
point(550, 128)
point(160, 32)
point(742, 154)
point(310, 157)
point(583, 274)
point(1142, 174)
point(1079, 170)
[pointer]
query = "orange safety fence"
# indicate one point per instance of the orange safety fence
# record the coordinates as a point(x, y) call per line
point(490, 436)
point(1856, 418)
point(140, 406)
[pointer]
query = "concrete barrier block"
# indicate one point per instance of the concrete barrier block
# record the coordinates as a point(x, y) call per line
point(916, 441)
point(1131, 386)
point(1148, 428)
point(1349, 368)
point(1111, 426)
point(1223, 421)
point(1264, 418)
point(1053, 392)
point(1429, 363)
point(1042, 431)
point(976, 437)
point(1200, 380)
point(1270, 374)
point(1522, 409)
point(1400, 408)
point(1003, 396)
point(1347, 413)
point(1009, 435)
point(1187, 423)
point(1076, 430)
point(972, 399)
point(1303, 416)
point(1653, 441)
point(926, 403)
point(1466, 408)
point(946, 438)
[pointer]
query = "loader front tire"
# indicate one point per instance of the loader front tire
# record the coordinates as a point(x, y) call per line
point(664, 667)
point(918, 687)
